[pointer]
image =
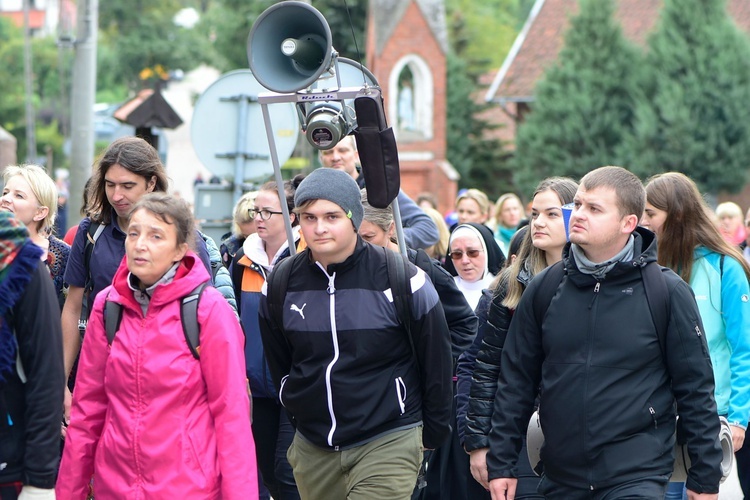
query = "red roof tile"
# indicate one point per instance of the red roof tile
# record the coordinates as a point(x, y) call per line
point(545, 38)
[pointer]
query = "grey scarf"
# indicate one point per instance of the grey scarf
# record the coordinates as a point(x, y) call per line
point(599, 270)
point(143, 296)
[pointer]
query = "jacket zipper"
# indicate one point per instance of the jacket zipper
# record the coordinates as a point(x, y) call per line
point(334, 339)
point(590, 335)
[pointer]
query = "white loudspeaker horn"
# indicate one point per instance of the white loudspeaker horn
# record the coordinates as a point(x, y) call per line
point(289, 47)
point(328, 122)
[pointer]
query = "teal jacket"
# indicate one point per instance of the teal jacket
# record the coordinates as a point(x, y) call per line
point(723, 295)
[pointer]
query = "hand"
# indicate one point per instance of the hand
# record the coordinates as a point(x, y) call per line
point(67, 399)
point(503, 488)
point(738, 437)
point(478, 466)
point(34, 493)
point(696, 496)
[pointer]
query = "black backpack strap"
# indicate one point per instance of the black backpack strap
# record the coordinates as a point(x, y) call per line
point(398, 278)
point(547, 289)
point(237, 272)
point(657, 296)
point(276, 286)
point(112, 318)
point(93, 233)
point(189, 317)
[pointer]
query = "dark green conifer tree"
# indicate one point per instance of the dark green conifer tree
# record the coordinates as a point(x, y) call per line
point(694, 117)
point(584, 104)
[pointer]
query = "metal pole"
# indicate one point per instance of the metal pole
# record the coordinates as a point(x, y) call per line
point(399, 227)
point(82, 100)
point(31, 154)
point(277, 176)
point(239, 160)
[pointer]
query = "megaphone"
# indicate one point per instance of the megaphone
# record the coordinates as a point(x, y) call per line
point(327, 122)
point(289, 47)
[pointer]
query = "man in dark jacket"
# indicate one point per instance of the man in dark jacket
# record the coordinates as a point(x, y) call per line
point(31, 368)
point(364, 402)
point(608, 388)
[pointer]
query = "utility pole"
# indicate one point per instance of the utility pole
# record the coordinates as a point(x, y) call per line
point(31, 155)
point(82, 100)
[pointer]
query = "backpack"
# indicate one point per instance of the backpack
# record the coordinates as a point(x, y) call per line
point(654, 283)
point(398, 278)
point(188, 315)
point(95, 230)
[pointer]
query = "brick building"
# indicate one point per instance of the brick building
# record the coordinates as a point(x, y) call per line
point(407, 42)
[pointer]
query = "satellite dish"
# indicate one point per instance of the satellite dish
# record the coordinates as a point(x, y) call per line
point(216, 122)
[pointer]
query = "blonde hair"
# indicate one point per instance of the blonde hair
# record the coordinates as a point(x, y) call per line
point(43, 188)
point(439, 249)
point(479, 197)
point(241, 214)
point(728, 209)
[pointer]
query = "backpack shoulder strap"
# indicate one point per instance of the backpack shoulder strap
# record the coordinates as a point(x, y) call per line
point(276, 289)
point(112, 318)
point(237, 272)
point(400, 282)
point(189, 317)
point(657, 296)
point(547, 289)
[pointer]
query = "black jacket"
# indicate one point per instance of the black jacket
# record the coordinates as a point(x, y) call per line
point(349, 377)
point(462, 322)
point(30, 421)
point(607, 390)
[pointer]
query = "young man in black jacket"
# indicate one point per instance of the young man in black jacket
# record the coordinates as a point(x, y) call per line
point(364, 402)
point(608, 385)
point(31, 368)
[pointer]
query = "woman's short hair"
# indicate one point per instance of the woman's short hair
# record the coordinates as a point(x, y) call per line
point(241, 214)
point(381, 217)
point(728, 209)
point(172, 210)
point(133, 154)
point(42, 186)
point(479, 197)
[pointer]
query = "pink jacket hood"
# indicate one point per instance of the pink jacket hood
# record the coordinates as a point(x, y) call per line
point(148, 419)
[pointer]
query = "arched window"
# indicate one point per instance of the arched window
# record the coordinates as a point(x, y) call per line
point(411, 99)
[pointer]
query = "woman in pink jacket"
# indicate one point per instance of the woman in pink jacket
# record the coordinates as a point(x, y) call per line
point(149, 419)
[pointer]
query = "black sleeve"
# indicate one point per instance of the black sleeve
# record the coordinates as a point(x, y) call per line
point(465, 365)
point(275, 346)
point(462, 322)
point(520, 375)
point(39, 332)
point(432, 343)
point(486, 373)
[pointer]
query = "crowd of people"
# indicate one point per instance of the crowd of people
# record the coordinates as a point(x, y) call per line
point(144, 360)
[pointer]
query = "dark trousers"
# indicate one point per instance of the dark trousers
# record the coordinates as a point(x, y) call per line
point(10, 491)
point(647, 488)
point(273, 433)
point(742, 457)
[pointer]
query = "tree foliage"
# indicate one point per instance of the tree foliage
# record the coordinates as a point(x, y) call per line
point(694, 117)
point(584, 105)
point(138, 34)
point(477, 156)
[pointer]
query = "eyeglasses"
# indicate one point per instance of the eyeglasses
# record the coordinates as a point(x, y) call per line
point(459, 254)
point(264, 214)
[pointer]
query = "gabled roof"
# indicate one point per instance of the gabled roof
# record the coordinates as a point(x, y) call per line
point(388, 13)
point(542, 37)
